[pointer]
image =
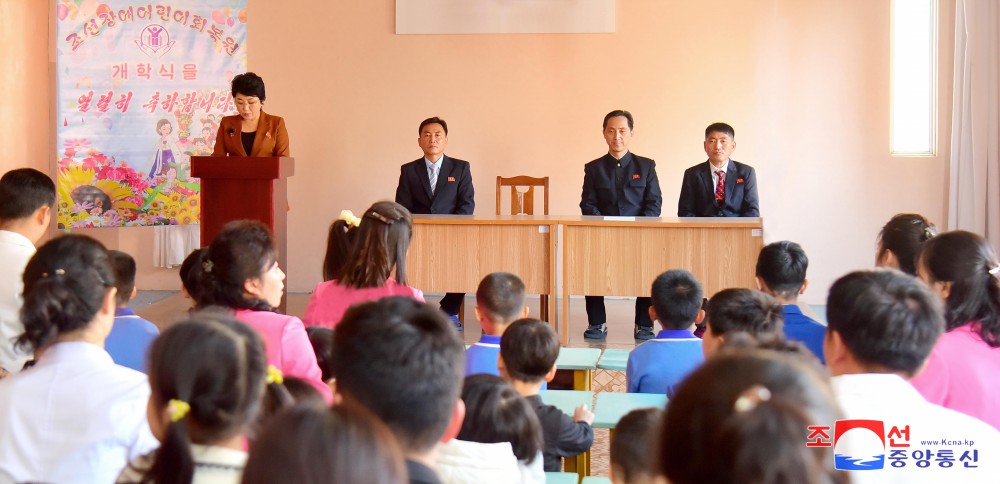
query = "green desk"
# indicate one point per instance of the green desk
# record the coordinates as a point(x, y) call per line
point(562, 478)
point(581, 361)
point(595, 480)
point(567, 401)
point(614, 360)
point(612, 406)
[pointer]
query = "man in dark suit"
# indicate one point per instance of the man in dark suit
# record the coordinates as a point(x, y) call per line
point(619, 184)
point(722, 187)
point(437, 184)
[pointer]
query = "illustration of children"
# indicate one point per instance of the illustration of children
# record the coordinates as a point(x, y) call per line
point(167, 151)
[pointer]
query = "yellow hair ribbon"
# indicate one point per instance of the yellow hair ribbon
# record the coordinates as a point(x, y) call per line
point(274, 375)
point(177, 409)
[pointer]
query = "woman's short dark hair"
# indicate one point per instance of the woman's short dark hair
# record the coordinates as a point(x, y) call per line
point(311, 443)
point(969, 263)
point(903, 235)
point(495, 412)
point(742, 417)
point(216, 365)
point(243, 250)
point(248, 84)
point(65, 284)
point(191, 273)
point(379, 246)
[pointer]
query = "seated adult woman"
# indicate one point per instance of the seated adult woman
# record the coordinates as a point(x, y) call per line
point(74, 416)
point(379, 247)
point(961, 372)
point(251, 132)
point(240, 272)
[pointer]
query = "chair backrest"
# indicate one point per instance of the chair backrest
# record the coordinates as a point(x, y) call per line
point(523, 202)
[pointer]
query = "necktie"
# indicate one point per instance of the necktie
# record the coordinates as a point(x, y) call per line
point(434, 178)
point(720, 187)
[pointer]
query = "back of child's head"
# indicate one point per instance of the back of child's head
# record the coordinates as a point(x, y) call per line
point(207, 376)
point(528, 350)
point(746, 310)
point(495, 412)
point(742, 417)
point(740, 341)
point(284, 392)
point(65, 286)
point(380, 245)
point(782, 267)
point(676, 297)
point(321, 340)
point(500, 297)
point(23, 191)
point(403, 360)
point(124, 267)
point(903, 236)
point(968, 264)
point(339, 241)
point(310, 443)
point(191, 273)
point(243, 250)
point(636, 433)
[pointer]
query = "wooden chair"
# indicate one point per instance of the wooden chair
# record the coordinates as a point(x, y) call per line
point(523, 202)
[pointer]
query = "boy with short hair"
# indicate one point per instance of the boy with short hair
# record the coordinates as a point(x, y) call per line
point(740, 310)
point(659, 365)
point(131, 335)
point(499, 302)
point(781, 272)
point(26, 200)
point(635, 434)
point(528, 352)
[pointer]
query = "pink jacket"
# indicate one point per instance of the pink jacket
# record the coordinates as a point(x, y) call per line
point(961, 374)
point(330, 300)
point(288, 347)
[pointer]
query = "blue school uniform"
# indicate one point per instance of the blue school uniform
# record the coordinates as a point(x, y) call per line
point(482, 356)
point(799, 327)
point(130, 339)
point(660, 364)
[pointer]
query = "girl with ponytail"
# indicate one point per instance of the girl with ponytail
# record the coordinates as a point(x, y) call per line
point(74, 416)
point(361, 257)
point(207, 376)
point(240, 272)
point(962, 371)
point(742, 418)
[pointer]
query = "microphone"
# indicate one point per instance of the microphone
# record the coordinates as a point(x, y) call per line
point(231, 131)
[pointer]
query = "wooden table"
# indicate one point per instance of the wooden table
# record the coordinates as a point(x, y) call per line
point(621, 256)
point(612, 406)
point(581, 361)
point(614, 359)
point(452, 253)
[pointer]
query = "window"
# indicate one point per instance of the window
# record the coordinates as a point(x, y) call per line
point(914, 77)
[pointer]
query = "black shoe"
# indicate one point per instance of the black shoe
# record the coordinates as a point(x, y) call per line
point(643, 333)
point(596, 331)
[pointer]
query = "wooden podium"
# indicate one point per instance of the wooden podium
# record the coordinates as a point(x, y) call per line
point(236, 188)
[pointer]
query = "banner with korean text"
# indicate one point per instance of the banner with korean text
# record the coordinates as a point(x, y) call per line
point(141, 88)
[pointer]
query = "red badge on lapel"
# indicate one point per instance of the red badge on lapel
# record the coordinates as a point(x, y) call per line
point(635, 176)
point(451, 178)
point(267, 134)
point(739, 180)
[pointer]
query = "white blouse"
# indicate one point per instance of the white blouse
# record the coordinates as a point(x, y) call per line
point(73, 417)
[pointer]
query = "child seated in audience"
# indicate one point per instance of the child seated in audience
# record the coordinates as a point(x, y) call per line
point(131, 335)
point(740, 418)
point(207, 375)
point(781, 272)
point(75, 415)
point(660, 364)
point(377, 251)
point(740, 310)
point(528, 352)
point(499, 302)
point(190, 272)
point(240, 272)
point(900, 240)
point(631, 459)
point(321, 340)
point(500, 440)
point(285, 392)
point(310, 443)
point(962, 371)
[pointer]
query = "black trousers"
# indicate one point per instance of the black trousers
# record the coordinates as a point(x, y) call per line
point(596, 314)
point(452, 302)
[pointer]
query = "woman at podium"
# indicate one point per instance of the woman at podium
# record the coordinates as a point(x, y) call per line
point(251, 132)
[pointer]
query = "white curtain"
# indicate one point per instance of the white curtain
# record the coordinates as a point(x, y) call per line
point(974, 195)
point(172, 243)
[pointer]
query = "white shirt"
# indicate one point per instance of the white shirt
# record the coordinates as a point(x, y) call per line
point(212, 465)
point(462, 462)
point(73, 417)
point(715, 176)
point(15, 251)
point(894, 401)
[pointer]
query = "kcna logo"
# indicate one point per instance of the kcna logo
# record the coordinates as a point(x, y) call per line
point(860, 445)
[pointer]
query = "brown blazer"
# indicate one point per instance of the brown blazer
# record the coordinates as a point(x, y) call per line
point(271, 138)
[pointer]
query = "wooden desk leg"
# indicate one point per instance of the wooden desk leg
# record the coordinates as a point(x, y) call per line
point(581, 380)
point(543, 308)
point(579, 464)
